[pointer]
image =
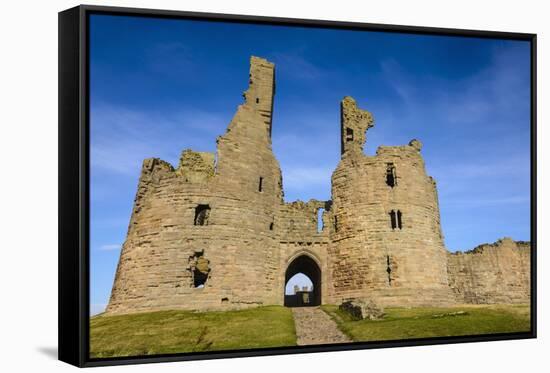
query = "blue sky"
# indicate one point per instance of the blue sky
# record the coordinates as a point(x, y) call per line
point(159, 86)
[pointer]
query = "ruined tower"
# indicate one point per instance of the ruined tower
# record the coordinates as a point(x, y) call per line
point(201, 235)
point(386, 237)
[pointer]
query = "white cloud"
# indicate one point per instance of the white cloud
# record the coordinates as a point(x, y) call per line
point(302, 178)
point(482, 202)
point(292, 64)
point(515, 165)
point(110, 247)
point(171, 58)
point(501, 87)
point(394, 75)
point(122, 138)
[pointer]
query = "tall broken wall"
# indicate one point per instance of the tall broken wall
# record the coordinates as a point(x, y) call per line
point(492, 273)
point(177, 257)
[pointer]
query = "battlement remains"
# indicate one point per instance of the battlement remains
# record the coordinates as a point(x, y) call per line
point(354, 125)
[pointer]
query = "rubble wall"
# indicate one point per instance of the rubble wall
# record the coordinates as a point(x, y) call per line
point(492, 273)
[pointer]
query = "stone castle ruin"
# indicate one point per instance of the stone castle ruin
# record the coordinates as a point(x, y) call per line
point(216, 234)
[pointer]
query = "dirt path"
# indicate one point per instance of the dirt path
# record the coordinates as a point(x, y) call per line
point(313, 326)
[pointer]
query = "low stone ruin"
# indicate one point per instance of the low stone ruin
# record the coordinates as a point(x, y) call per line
point(361, 309)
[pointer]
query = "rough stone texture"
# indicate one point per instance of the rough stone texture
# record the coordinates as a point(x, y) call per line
point(362, 309)
point(354, 124)
point(313, 326)
point(404, 266)
point(492, 273)
point(196, 167)
point(215, 233)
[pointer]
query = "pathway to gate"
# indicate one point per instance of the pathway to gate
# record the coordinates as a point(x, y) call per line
point(313, 326)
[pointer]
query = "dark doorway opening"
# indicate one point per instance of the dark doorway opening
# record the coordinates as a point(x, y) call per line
point(304, 297)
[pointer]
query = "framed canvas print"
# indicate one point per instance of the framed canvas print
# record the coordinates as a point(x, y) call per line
point(239, 186)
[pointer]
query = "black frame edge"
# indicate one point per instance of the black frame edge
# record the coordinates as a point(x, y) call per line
point(533, 41)
point(355, 346)
point(304, 22)
point(70, 275)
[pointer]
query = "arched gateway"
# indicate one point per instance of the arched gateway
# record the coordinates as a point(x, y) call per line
point(309, 267)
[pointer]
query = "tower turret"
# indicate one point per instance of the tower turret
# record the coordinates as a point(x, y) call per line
point(261, 88)
point(354, 124)
point(385, 230)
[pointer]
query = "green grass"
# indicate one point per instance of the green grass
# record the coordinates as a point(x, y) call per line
point(403, 323)
point(167, 332)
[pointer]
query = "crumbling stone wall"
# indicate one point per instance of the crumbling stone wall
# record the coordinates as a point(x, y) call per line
point(196, 167)
point(354, 124)
point(492, 273)
point(298, 221)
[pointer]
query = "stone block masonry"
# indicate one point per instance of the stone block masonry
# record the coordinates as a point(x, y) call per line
point(492, 273)
point(215, 233)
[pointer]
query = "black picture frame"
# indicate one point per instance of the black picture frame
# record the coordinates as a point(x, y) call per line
point(74, 307)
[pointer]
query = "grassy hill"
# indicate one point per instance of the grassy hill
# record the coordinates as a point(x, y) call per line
point(403, 323)
point(167, 332)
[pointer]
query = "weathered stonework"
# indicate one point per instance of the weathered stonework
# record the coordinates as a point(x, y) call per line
point(361, 309)
point(215, 233)
point(492, 273)
point(354, 125)
point(405, 265)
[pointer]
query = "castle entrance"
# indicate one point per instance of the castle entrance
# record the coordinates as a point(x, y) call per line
point(303, 283)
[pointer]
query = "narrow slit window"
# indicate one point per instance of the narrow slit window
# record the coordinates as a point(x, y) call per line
point(388, 269)
point(320, 225)
point(336, 223)
point(393, 219)
point(349, 134)
point(271, 226)
point(257, 100)
point(399, 223)
point(391, 176)
point(261, 184)
point(202, 213)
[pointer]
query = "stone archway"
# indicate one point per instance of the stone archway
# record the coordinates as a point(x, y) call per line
point(309, 267)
